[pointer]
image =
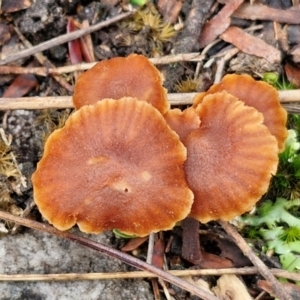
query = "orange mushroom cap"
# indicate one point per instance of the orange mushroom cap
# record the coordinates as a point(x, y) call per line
point(182, 122)
point(257, 94)
point(115, 164)
point(131, 76)
point(231, 158)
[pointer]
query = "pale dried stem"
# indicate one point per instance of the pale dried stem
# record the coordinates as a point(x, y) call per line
point(278, 289)
point(286, 97)
point(144, 274)
point(126, 258)
point(46, 71)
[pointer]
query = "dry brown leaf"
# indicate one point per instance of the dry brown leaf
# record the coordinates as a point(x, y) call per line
point(293, 74)
point(292, 289)
point(198, 282)
point(250, 44)
point(158, 254)
point(230, 287)
point(9, 6)
point(258, 11)
point(295, 52)
point(21, 85)
point(218, 23)
point(134, 243)
point(169, 9)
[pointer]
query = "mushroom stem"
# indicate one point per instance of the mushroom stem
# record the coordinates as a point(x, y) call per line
point(110, 252)
point(191, 250)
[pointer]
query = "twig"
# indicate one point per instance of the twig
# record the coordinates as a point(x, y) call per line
point(143, 274)
point(150, 248)
point(174, 99)
point(43, 71)
point(279, 291)
point(126, 258)
point(44, 61)
point(63, 39)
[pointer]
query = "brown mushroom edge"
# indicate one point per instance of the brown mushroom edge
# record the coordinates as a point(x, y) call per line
point(257, 94)
point(131, 76)
point(231, 158)
point(115, 164)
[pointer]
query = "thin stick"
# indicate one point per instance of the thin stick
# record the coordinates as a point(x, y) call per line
point(43, 71)
point(126, 258)
point(174, 99)
point(279, 291)
point(63, 39)
point(150, 248)
point(43, 60)
point(144, 274)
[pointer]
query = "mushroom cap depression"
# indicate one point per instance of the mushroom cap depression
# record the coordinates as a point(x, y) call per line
point(257, 94)
point(182, 122)
point(115, 164)
point(131, 76)
point(231, 158)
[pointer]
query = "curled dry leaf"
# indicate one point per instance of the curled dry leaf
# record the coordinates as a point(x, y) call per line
point(257, 11)
point(257, 94)
point(132, 76)
point(292, 289)
point(250, 44)
point(231, 158)
point(115, 164)
point(219, 23)
point(169, 9)
point(230, 287)
point(292, 74)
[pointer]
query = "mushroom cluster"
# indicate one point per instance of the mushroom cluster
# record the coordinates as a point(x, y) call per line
point(125, 160)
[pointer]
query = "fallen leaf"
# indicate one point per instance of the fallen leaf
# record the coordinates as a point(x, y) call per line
point(158, 254)
point(226, 249)
point(230, 287)
point(295, 53)
point(292, 289)
point(134, 243)
point(218, 24)
point(74, 46)
point(21, 85)
point(9, 6)
point(256, 11)
point(169, 9)
point(86, 45)
point(292, 74)
point(250, 44)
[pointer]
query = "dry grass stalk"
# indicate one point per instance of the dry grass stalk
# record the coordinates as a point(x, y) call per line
point(286, 97)
point(143, 274)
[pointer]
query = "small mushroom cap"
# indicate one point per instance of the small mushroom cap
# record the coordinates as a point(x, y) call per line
point(131, 76)
point(231, 158)
point(115, 164)
point(182, 122)
point(257, 94)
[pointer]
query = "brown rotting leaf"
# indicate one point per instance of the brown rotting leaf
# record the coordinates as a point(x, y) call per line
point(9, 6)
point(250, 44)
point(219, 23)
point(257, 11)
